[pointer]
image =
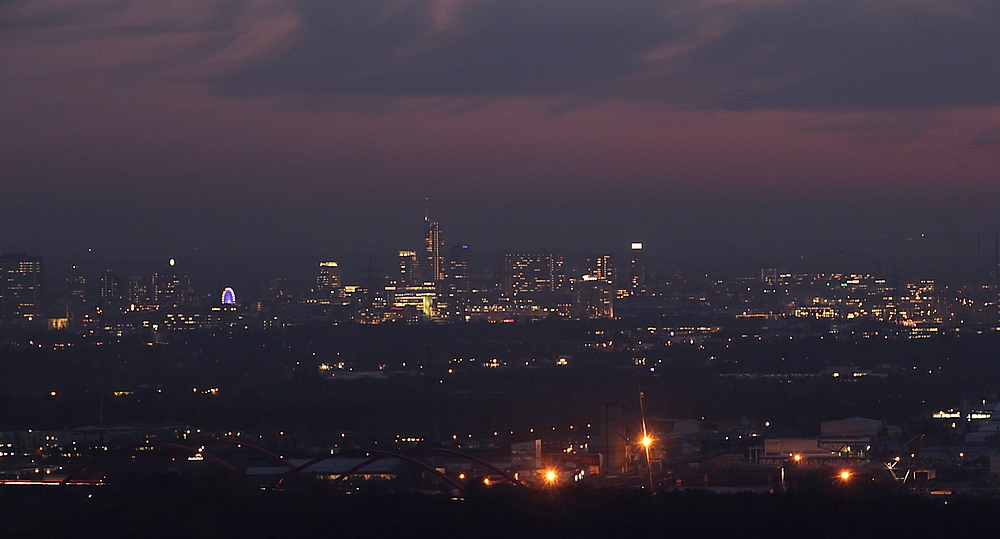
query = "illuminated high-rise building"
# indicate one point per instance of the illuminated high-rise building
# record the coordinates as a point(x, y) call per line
point(167, 289)
point(21, 289)
point(594, 299)
point(135, 293)
point(456, 295)
point(111, 291)
point(433, 246)
point(637, 273)
point(409, 273)
point(459, 277)
point(328, 278)
point(76, 287)
point(600, 269)
point(531, 273)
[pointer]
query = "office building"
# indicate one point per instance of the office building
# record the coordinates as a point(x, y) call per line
point(21, 289)
point(409, 273)
point(171, 290)
point(459, 276)
point(111, 290)
point(135, 293)
point(532, 273)
point(637, 270)
point(328, 278)
point(418, 303)
point(76, 288)
point(434, 247)
point(600, 269)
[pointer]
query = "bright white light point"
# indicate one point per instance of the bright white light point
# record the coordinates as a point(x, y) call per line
point(636, 245)
point(172, 262)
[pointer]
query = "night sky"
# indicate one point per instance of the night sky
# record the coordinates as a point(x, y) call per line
point(319, 126)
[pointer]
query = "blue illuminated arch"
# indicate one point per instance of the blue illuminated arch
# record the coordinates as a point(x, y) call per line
point(228, 296)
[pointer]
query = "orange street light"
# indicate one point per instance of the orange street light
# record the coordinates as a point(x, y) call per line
point(845, 475)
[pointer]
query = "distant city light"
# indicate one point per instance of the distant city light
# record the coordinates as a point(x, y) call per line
point(172, 262)
point(845, 475)
point(636, 245)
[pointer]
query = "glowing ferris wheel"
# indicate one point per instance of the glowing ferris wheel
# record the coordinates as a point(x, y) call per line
point(228, 296)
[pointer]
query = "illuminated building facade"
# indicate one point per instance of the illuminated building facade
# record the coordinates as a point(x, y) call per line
point(76, 286)
point(594, 299)
point(418, 303)
point(434, 247)
point(21, 289)
point(170, 289)
point(600, 269)
point(637, 273)
point(409, 273)
point(459, 276)
point(111, 290)
point(328, 278)
point(455, 297)
point(135, 292)
point(532, 273)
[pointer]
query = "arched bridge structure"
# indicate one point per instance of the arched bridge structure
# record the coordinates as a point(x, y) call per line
point(379, 455)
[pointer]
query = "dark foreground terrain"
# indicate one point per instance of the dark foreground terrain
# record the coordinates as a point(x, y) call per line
point(216, 507)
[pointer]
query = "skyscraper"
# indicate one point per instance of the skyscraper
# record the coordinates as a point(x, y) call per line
point(409, 273)
point(76, 286)
point(167, 289)
point(434, 245)
point(637, 279)
point(328, 278)
point(459, 276)
point(135, 293)
point(530, 273)
point(21, 290)
point(111, 291)
point(600, 269)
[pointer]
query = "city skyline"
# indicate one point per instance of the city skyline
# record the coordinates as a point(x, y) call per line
point(500, 268)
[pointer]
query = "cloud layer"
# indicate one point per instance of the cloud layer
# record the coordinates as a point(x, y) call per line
point(539, 110)
point(836, 54)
